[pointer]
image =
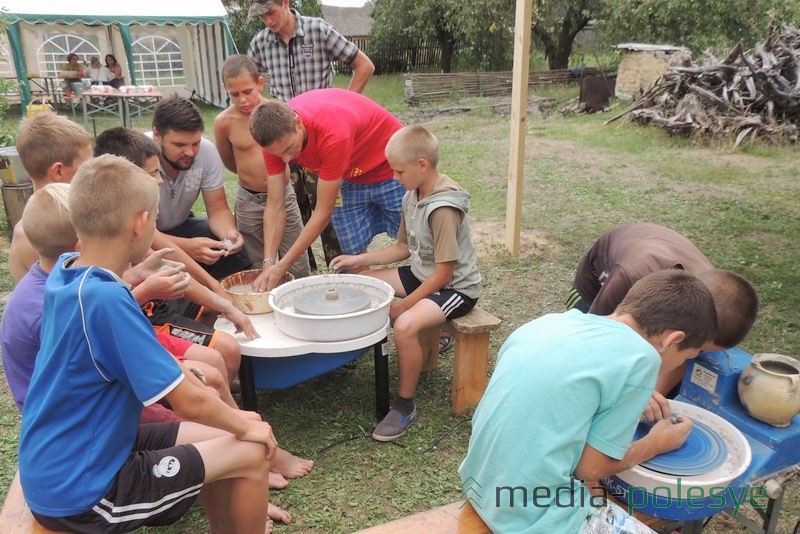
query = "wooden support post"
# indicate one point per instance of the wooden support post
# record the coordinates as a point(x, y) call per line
point(519, 128)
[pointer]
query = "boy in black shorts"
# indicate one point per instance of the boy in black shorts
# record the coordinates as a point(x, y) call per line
point(86, 465)
point(441, 283)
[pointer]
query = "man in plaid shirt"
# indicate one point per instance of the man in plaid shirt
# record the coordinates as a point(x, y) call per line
point(297, 52)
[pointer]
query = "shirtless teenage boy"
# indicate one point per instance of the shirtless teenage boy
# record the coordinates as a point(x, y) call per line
point(242, 155)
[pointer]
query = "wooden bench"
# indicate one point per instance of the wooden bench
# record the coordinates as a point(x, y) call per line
point(471, 360)
point(454, 518)
point(460, 518)
point(15, 517)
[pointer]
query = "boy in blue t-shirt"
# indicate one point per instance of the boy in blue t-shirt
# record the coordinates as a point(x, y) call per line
point(85, 462)
point(564, 401)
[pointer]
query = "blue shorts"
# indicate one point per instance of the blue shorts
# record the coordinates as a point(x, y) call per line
point(366, 211)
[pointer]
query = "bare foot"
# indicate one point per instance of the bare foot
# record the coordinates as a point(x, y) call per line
point(277, 481)
point(279, 514)
point(268, 527)
point(289, 465)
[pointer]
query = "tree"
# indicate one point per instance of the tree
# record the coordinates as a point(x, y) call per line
point(480, 33)
point(555, 25)
point(244, 27)
point(698, 25)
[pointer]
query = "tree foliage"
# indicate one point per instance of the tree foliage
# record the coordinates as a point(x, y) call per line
point(244, 27)
point(476, 36)
point(695, 24)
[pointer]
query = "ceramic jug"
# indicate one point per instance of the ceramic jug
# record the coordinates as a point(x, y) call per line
point(769, 389)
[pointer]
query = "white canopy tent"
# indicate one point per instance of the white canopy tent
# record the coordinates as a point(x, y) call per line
point(177, 46)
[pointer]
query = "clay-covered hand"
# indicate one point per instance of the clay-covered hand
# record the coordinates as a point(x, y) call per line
point(154, 262)
point(671, 433)
point(233, 242)
point(657, 408)
point(168, 284)
point(205, 250)
point(240, 320)
point(346, 264)
point(272, 276)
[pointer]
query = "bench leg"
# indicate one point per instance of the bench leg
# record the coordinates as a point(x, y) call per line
point(470, 365)
point(429, 341)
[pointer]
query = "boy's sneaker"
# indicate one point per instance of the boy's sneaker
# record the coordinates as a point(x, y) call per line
point(393, 425)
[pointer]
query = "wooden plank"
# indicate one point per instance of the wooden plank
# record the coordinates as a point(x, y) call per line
point(455, 518)
point(16, 517)
point(476, 321)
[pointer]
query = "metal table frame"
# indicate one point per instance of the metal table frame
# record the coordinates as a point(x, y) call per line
point(275, 344)
point(94, 102)
point(124, 104)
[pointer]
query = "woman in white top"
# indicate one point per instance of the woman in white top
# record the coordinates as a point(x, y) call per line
point(99, 74)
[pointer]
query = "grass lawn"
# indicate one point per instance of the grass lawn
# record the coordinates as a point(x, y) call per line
point(581, 178)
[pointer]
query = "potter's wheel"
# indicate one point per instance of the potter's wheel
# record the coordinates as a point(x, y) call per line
point(703, 451)
point(331, 301)
point(302, 310)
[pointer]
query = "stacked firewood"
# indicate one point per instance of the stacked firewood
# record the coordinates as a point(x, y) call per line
point(747, 95)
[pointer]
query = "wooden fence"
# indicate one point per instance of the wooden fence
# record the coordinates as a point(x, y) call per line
point(426, 87)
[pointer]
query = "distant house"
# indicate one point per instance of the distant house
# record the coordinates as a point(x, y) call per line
point(355, 23)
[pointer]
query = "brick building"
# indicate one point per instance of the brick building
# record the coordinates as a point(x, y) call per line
point(642, 65)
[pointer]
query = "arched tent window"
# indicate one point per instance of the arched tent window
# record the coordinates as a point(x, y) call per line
point(158, 61)
point(53, 52)
point(6, 63)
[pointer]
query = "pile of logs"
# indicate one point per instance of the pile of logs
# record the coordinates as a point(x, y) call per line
point(747, 95)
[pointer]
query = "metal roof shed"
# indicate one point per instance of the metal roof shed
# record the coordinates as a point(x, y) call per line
point(144, 35)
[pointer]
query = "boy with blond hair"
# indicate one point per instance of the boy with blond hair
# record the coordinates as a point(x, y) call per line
point(49, 229)
point(241, 155)
point(82, 433)
point(143, 151)
point(442, 281)
point(51, 148)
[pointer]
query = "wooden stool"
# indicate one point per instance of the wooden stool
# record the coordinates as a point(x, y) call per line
point(471, 359)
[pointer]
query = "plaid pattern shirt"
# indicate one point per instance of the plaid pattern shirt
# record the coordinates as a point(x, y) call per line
point(305, 63)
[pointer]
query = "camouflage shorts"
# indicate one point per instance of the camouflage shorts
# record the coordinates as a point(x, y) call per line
point(305, 186)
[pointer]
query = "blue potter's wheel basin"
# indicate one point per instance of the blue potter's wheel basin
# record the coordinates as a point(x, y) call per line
point(703, 451)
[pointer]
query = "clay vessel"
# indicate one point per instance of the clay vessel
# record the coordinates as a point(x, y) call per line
point(769, 389)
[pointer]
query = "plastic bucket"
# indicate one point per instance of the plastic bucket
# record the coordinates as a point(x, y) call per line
point(11, 170)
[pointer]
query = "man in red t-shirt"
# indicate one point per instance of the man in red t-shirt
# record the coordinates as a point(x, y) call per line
point(340, 136)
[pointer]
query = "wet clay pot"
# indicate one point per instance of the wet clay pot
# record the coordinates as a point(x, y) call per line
point(769, 389)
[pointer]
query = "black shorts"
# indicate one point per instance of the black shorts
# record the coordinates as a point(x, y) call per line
point(179, 318)
point(453, 303)
point(156, 486)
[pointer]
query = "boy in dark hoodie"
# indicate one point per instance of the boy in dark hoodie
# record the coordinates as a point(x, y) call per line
point(442, 281)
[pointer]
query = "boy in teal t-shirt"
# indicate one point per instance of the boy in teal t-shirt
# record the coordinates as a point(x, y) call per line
point(566, 396)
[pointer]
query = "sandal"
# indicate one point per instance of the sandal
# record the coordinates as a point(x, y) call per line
point(445, 341)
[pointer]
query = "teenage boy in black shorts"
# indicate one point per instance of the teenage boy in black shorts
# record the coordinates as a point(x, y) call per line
point(85, 462)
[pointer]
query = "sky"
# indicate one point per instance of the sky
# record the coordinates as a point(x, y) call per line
point(343, 3)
